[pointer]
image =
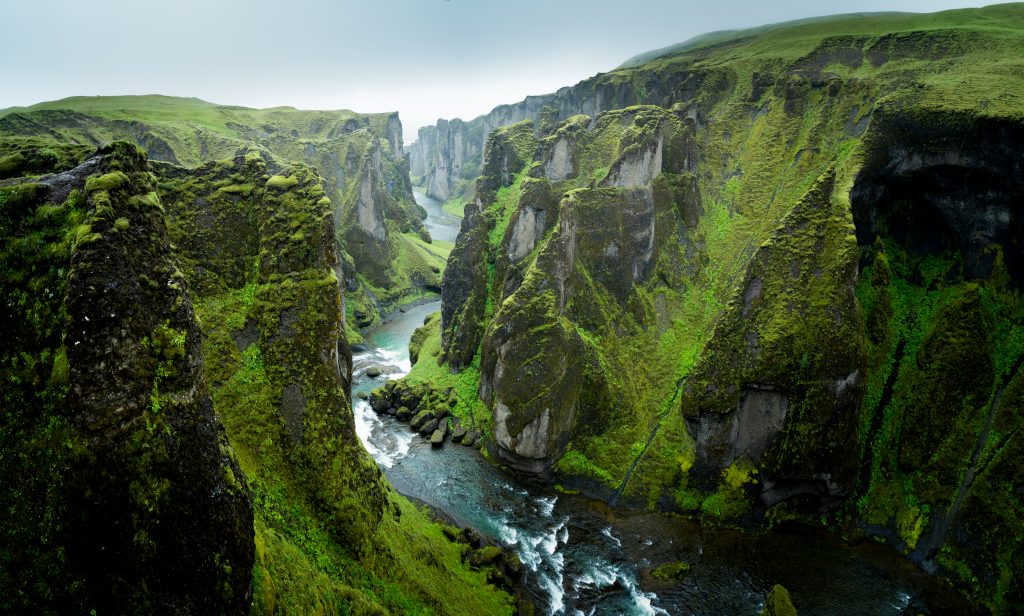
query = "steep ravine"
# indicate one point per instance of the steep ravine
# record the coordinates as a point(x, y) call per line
point(582, 557)
point(816, 229)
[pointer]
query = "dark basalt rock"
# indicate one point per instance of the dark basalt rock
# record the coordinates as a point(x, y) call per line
point(463, 291)
point(458, 432)
point(428, 427)
point(472, 438)
point(160, 519)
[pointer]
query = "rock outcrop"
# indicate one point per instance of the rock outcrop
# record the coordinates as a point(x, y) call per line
point(125, 495)
point(271, 238)
point(782, 379)
point(451, 153)
point(600, 241)
point(145, 508)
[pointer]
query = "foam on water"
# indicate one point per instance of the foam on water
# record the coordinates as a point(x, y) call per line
point(555, 593)
point(370, 429)
point(539, 552)
point(607, 532)
point(902, 601)
point(397, 358)
point(546, 505)
point(597, 576)
point(643, 602)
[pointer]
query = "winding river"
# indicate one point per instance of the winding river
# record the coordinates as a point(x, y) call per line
point(582, 558)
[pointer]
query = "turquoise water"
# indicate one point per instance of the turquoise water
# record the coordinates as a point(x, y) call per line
point(441, 224)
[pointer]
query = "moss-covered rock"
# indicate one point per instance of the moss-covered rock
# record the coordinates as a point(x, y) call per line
point(781, 379)
point(420, 335)
point(939, 289)
point(671, 571)
point(778, 603)
point(359, 158)
point(147, 507)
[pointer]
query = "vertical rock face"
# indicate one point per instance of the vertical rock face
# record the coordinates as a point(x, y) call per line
point(445, 153)
point(937, 207)
point(560, 162)
point(393, 129)
point(372, 218)
point(157, 516)
point(464, 290)
point(826, 269)
point(639, 167)
point(369, 212)
point(786, 359)
point(464, 284)
point(452, 152)
point(600, 241)
point(295, 326)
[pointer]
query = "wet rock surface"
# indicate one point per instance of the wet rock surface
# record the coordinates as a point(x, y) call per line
point(427, 410)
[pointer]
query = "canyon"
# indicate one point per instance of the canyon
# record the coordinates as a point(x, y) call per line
point(762, 288)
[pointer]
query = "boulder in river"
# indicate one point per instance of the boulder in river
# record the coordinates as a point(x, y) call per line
point(487, 555)
point(427, 429)
point(671, 571)
point(778, 603)
point(378, 370)
point(471, 437)
point(421, 418)
point(379, 401)
point(472, 537)
point(437, 438)
point(457, 430)
point(403, 413)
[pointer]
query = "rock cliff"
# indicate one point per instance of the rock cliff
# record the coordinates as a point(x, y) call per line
point(358, 156)
point(787, 290)
point(111, 440)
point(128, 493)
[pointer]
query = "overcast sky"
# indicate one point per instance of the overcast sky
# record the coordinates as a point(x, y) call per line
point(424, 58)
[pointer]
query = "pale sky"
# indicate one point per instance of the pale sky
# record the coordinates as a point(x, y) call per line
point(424, 58)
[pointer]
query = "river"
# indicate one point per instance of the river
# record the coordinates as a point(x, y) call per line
point(584, 558)
point(442, 225)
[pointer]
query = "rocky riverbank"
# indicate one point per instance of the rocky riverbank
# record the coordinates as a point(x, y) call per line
point(427, 410)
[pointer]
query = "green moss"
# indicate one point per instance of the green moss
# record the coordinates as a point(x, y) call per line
point(107, 182)
point(329, 530)
point(146, 201)
point(238, 189)
point(778, 603)
point(282, 183)
point(430, 324)
point(59, 374)
point(730, 502)
point(671, 571)
point(428, 369)
point(574, 463)
point(19, 200)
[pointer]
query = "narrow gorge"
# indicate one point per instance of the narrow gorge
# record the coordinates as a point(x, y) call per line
point(733, 328)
